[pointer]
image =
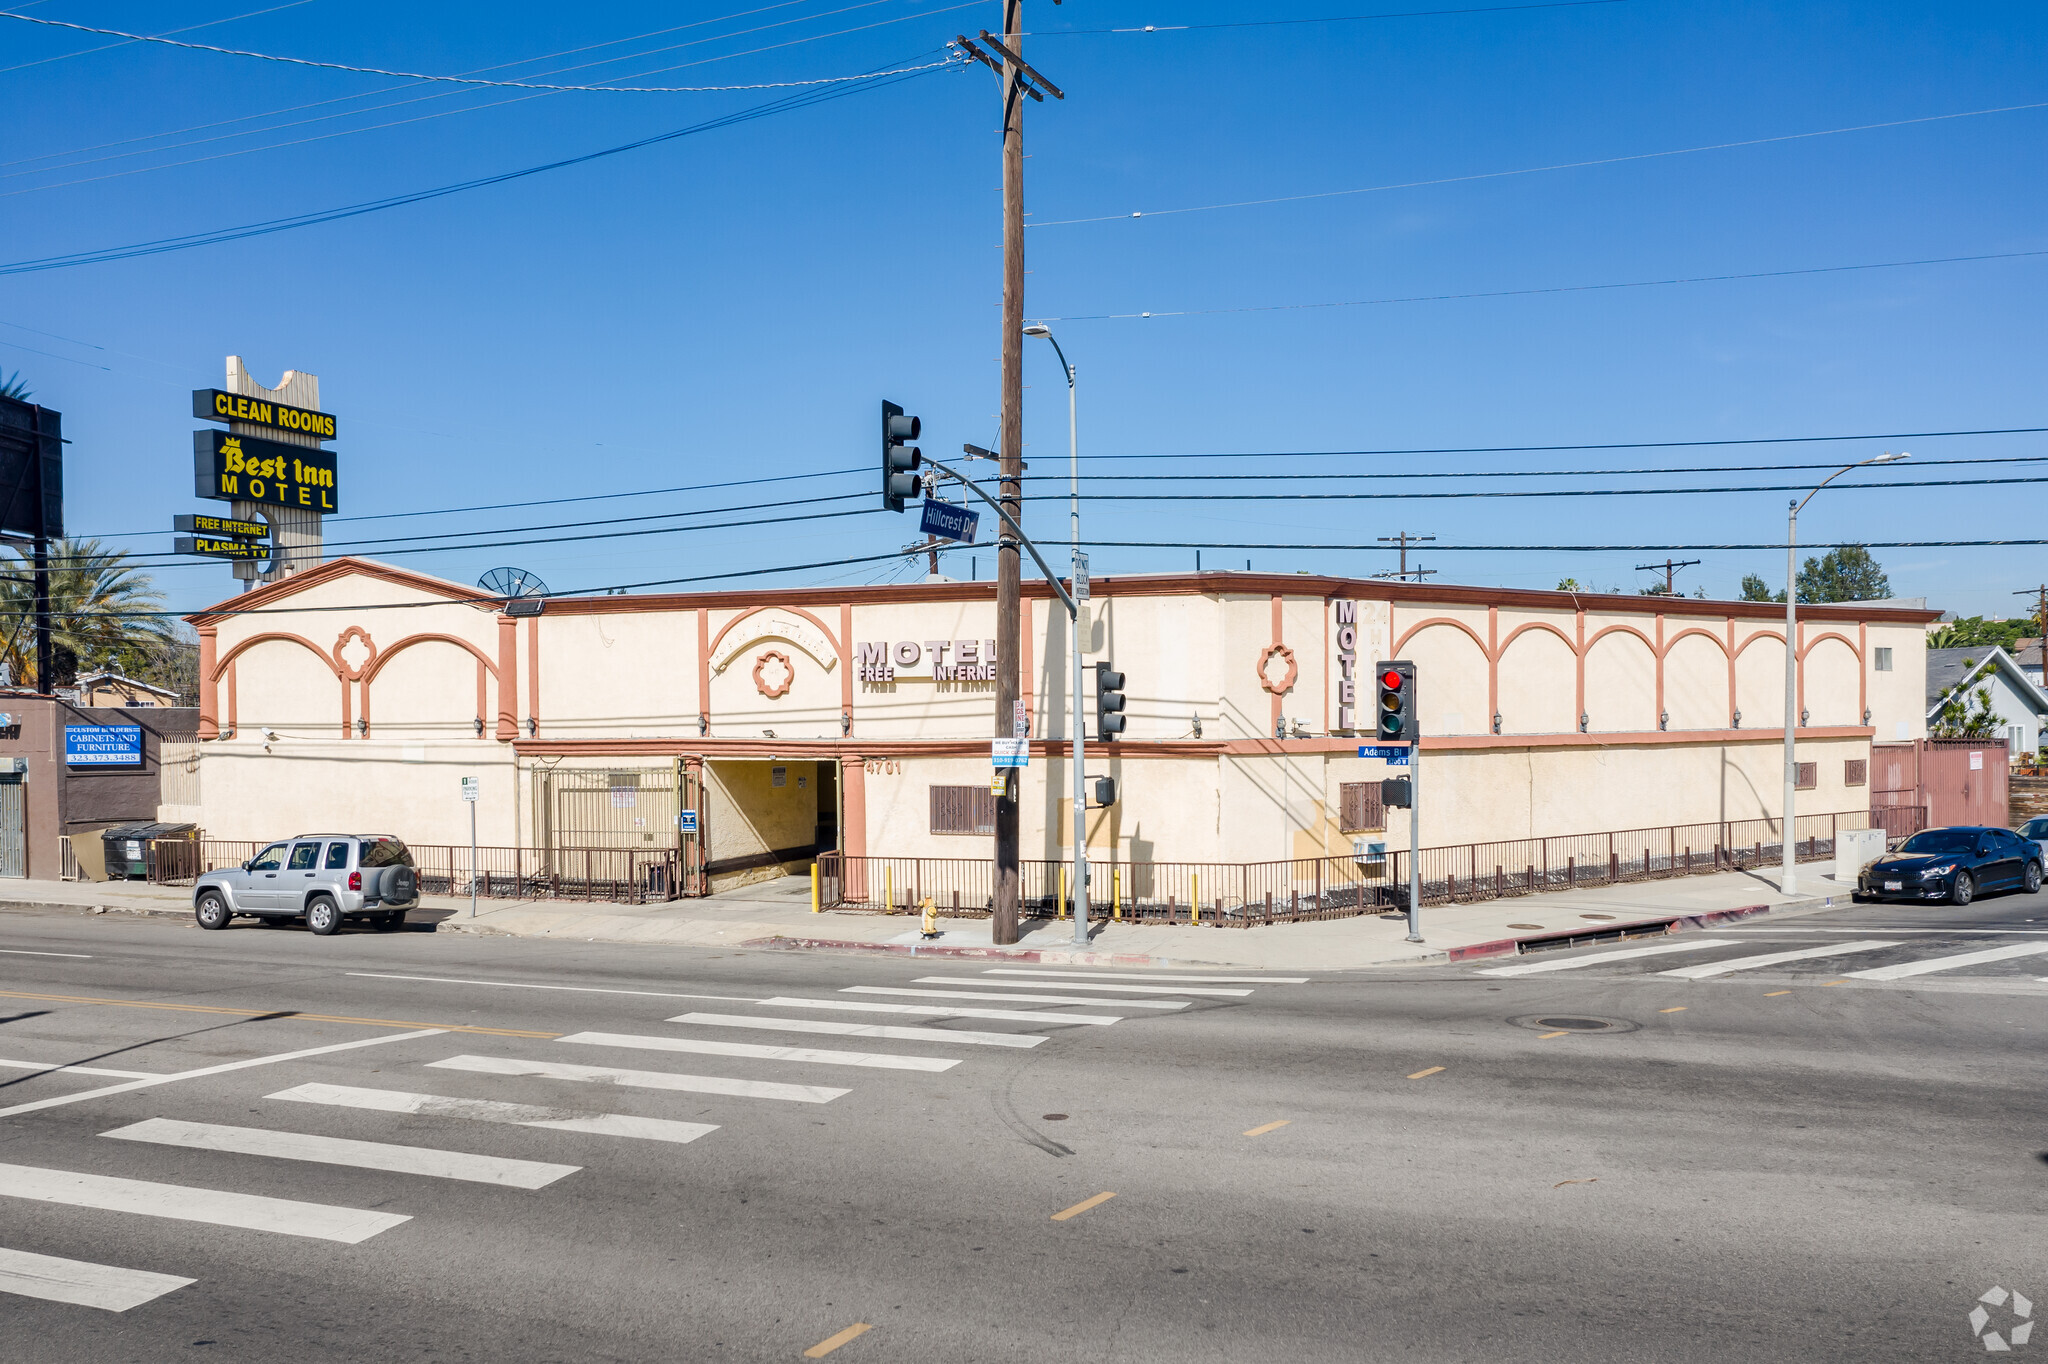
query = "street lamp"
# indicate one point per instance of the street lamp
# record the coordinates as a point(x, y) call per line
point(1076, 726)
point(1788, 877)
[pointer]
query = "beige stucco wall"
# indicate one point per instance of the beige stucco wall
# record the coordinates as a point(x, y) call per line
point(413, 790)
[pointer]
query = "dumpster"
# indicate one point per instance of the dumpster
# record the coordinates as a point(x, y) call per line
point(131, 848)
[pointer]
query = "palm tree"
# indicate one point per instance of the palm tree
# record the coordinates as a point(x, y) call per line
point(101, 611)
point(11, 386)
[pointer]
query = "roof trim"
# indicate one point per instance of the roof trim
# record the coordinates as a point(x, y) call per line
point(271, 593)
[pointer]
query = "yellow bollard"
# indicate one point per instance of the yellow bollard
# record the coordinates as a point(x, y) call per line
point(816, 906)
point(1116, 897)
point(1195, 900)
point(888, 889)
point(931, 918)
point(1062, 913)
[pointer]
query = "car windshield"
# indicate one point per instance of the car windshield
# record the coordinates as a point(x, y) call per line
point(1940, 841)
point(270, 859)
point(2036, 828)
point(386, 852)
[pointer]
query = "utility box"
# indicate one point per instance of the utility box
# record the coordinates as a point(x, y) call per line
point(1854, 848)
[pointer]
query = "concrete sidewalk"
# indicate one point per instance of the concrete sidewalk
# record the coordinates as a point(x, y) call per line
point(777, 915)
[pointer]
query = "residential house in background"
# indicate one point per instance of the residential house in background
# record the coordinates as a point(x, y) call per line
point(2016, 698)
point(2028, 655)
point(111, 688)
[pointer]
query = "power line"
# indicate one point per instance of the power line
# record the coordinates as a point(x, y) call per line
point(1519, 473)
point(462, 80)
point(1558, 549)
point(189, 28)
point(1548, 289)
point(1405, 496)
point(188, 241)
point(1329, 19)
point(1608, 445)
point(1538, 170)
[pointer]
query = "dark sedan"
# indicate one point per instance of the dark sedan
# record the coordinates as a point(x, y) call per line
point(1953, 865)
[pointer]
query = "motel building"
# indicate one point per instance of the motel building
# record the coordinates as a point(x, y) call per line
point(795, 721)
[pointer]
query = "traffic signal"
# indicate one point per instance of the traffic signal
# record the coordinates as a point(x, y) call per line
point(1109, 701)
point(1398, 718)
point(899, 458)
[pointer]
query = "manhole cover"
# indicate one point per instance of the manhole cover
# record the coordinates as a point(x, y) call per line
point(1581, 1024)
point(1576, 1024)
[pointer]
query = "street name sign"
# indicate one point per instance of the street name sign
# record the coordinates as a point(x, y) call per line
point(1395, 756)
point(949, 520)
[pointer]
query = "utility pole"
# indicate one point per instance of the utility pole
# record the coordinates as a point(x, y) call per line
point(2041, 595)
point(1404, 539)
point(1670, 568)
point(1018, 82)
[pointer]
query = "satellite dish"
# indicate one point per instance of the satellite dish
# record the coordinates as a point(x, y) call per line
point(512, 582)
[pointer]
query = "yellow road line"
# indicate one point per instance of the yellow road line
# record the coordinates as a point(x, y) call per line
point(1826, 983)
point(1541, 1037)
point(831, 1343)
point(293, 1014)
point(1677, 1010)
point(1775, 993)
point(1425, 1074)
point(1264, 1128)
point(1082, 1206)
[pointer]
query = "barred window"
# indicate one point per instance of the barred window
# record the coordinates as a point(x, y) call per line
point(1856, 772)
point(963, 810)
point(1359, 808)
point(1808, 777)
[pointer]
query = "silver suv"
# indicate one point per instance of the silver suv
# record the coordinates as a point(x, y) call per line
point(321, 878)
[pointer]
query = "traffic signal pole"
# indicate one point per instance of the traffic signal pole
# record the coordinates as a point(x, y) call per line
point(1415, 834)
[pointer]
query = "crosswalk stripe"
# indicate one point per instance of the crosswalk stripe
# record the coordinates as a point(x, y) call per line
point(81, 1283)
point(1150, 975)
point(361, 1155)
point(252, 1212)
point(816, 1055)
point(487, 1110)
point(1961, 959)
point(1076, 985)
point(1020, 999)
point(643, 1079)
point(1531, 968)
point(56, 1068)
point(942, 1011)
point(1722, 968)
point(836, 1029)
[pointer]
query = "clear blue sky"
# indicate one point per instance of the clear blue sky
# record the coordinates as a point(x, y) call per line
point(736, 303)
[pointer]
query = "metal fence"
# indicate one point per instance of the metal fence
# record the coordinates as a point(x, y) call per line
point(619, 875)
point(1243, 894)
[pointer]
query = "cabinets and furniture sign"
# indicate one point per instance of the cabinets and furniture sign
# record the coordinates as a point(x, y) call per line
point(103, 745)
point(248, 469)
point(212, 404)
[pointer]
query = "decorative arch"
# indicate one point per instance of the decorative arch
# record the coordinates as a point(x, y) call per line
point(1422, 625)
point(1778, 635)
point(831, 636)
point(485, 669)
point(226, 665)
point(1523, 629)
point(1807, 647)
point(1648, 643)
point(1717, 641)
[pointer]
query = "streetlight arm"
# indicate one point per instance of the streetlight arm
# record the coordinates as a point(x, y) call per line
point(1014, 528)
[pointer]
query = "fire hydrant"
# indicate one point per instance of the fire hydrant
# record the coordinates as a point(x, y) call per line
point(931, 919)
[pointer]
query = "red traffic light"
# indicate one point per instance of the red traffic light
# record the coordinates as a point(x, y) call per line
point(1391, 680)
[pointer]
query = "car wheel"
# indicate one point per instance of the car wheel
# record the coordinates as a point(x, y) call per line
point(212, 911)
point(1964, 890)
point(390, 923)
point(2032, 880)
point(1857, 897)
point(323, 916)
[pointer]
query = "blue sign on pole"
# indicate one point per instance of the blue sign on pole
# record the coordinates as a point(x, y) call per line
point(686, 822)
point(103, 745)
point(949, 520)
point(1395, 756)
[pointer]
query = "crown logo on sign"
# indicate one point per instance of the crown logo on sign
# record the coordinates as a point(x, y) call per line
point(231, 446)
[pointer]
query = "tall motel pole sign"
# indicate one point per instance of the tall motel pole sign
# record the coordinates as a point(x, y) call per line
point(287, 478)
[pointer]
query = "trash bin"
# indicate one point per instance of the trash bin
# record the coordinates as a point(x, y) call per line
point(131, 848)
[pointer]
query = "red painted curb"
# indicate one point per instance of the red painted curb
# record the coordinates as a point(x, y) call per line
point(1676, 923)
point(1055, 956)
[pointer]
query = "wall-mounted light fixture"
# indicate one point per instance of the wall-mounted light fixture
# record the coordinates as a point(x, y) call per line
point(1866, 715)
point(1496, 722)
point(1663, 719)
point(362, 724)
point(479, 726)
point(1196, 721)
point(703, 724)
point(1804, 716)
point(1280, 727)
point(845, 722)
point(532, 727)
point(1738, 719)
point(1584, 720)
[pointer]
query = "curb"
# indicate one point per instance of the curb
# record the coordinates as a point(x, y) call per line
point(1044, 955)
point(66, 907)
point(1673, 923)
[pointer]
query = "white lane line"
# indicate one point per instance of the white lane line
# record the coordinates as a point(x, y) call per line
point(362, 1155)
point(937, 1011)
point(574, 989)
point(756, 1051)
point(81, 1070)
point(80, 1283)
point(1075, 985)
point(1961, 959)
point(1531, 968)
point(1722, 968)
point(251, 1212)
point(485, 1110)
point(833, 1028)
point(1019, 999)
point(643, 1079)
point(105, 1090)
point(1153, 975)
point(78, 956)
point(1887, 928)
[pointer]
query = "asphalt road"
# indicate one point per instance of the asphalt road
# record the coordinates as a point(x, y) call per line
point(1780, 1160)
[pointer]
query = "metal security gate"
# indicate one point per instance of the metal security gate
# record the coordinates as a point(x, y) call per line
point(695, 839)
point(13, 829)
point(590, 807)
